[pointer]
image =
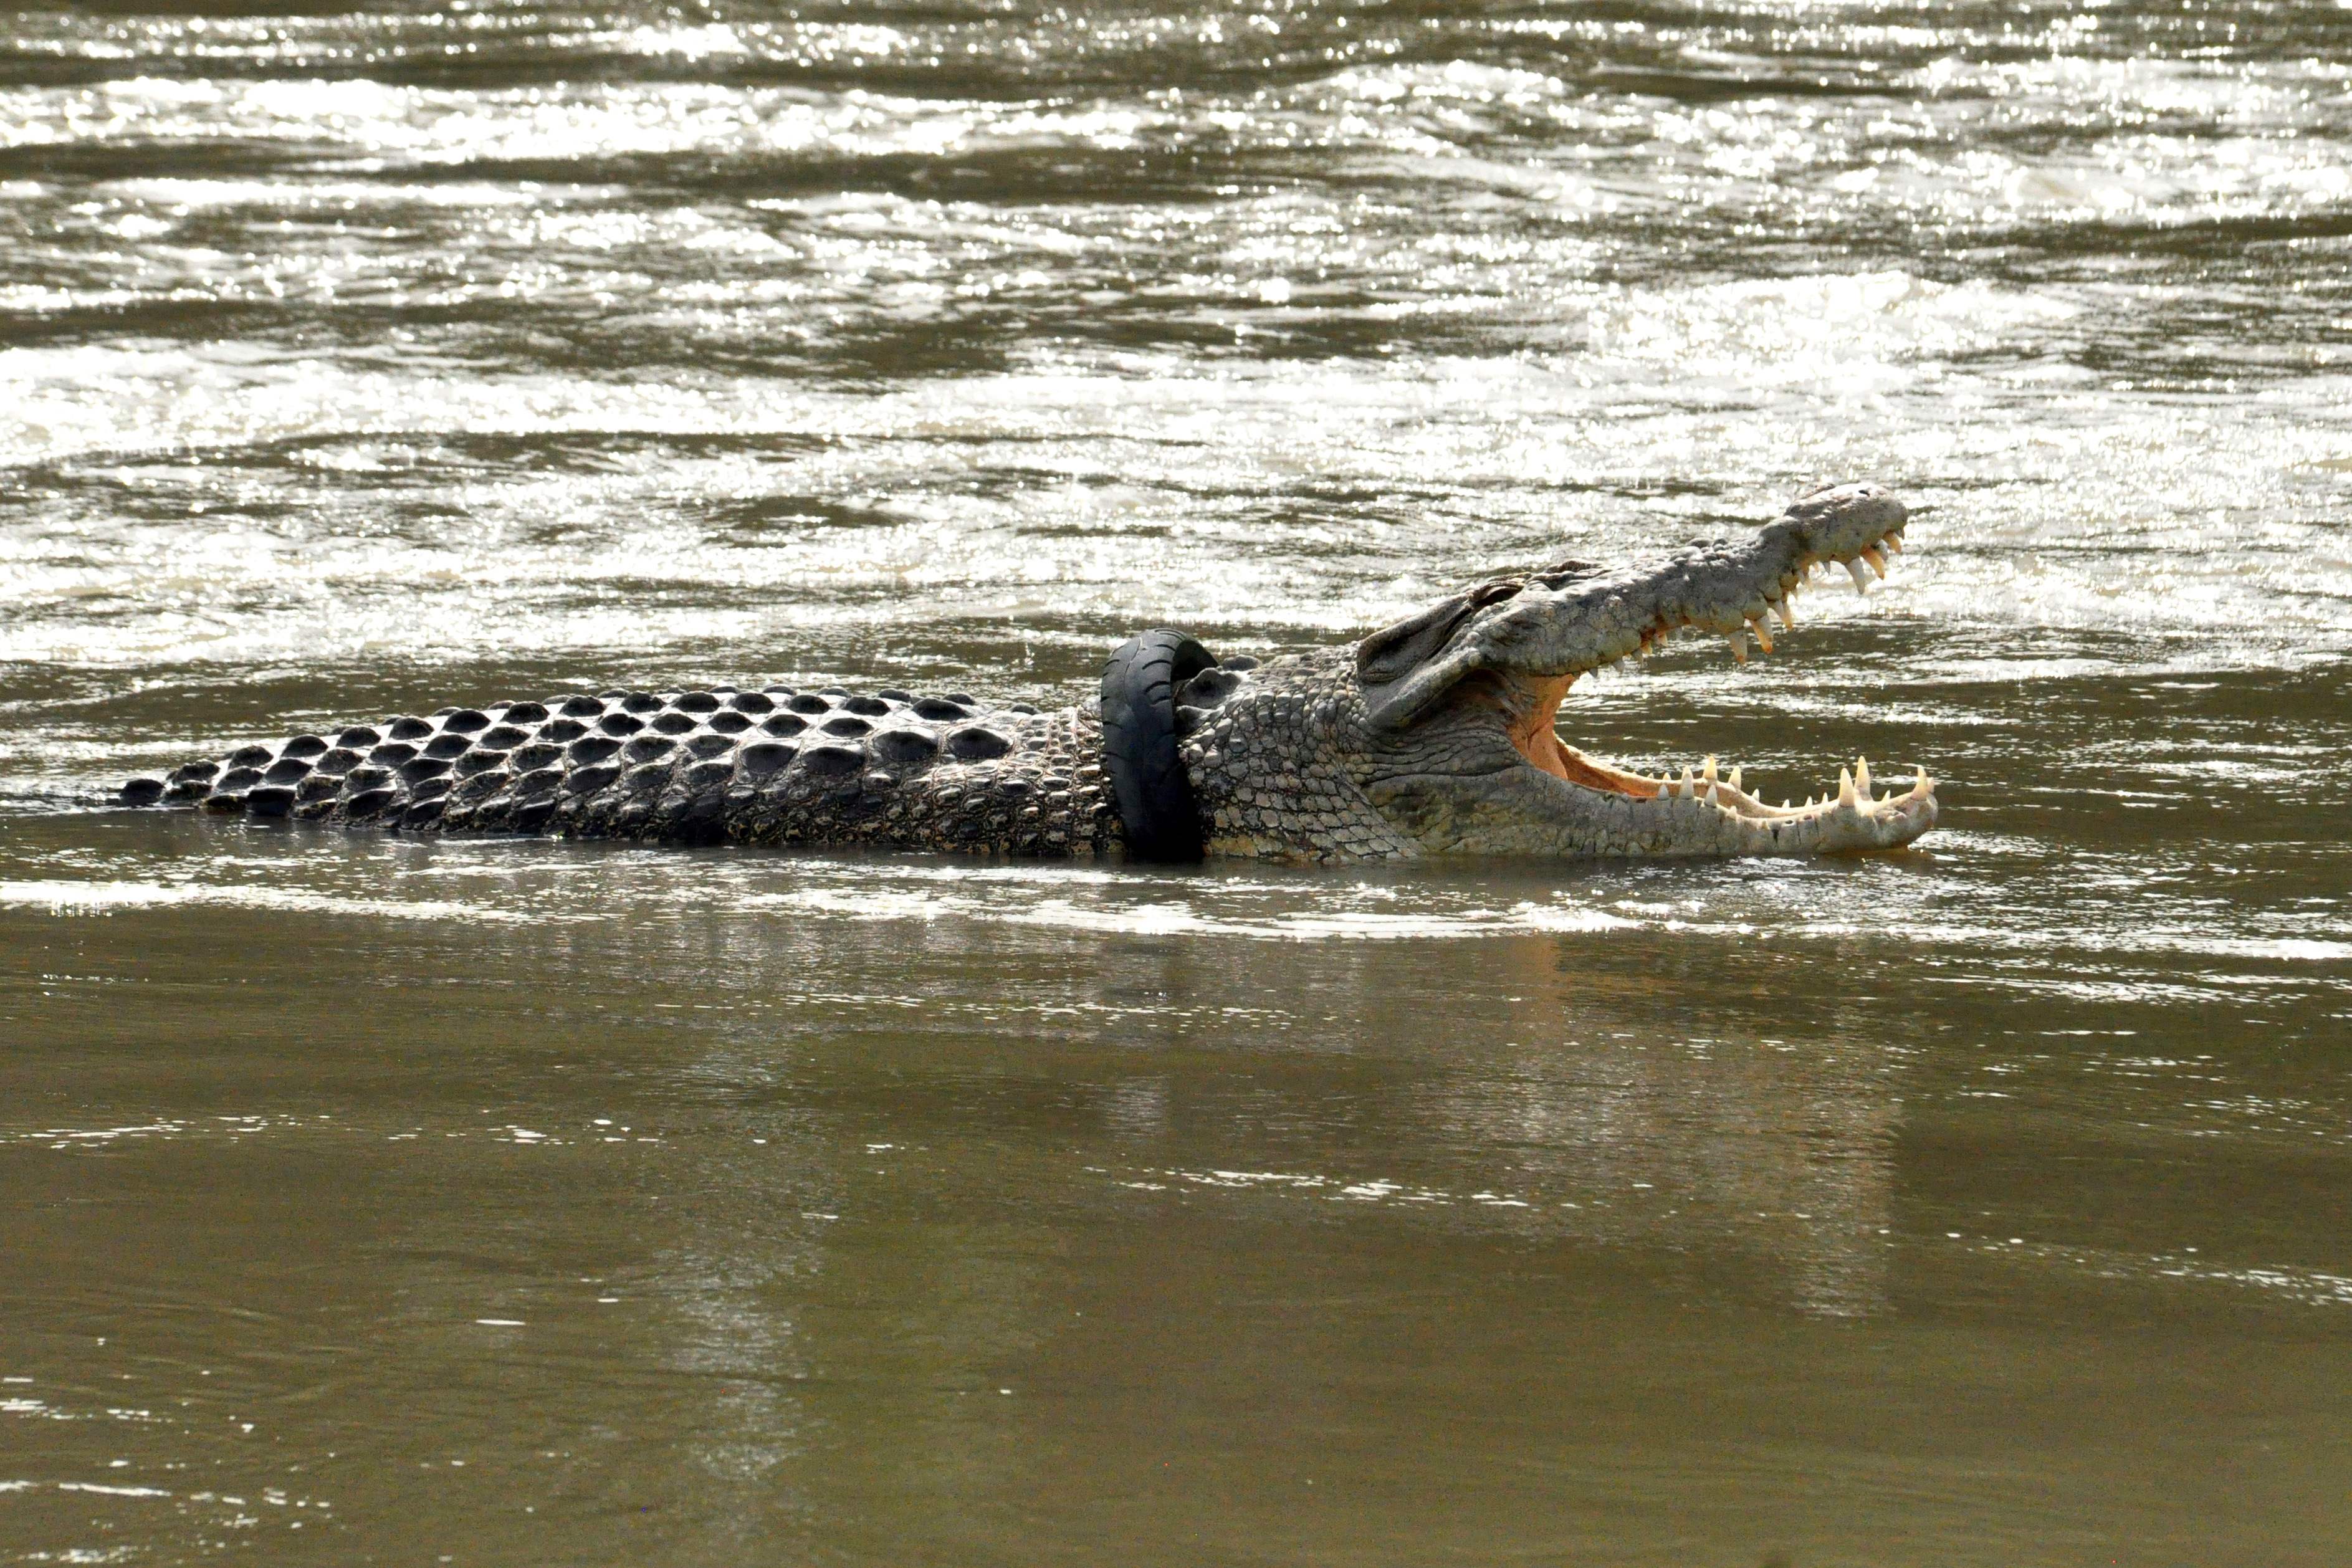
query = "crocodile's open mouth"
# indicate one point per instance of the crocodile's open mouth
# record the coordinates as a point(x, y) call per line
point(1540, 744)
point(1850, 811)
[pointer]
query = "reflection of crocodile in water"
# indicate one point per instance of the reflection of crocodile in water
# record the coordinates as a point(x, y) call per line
point(1432, 736)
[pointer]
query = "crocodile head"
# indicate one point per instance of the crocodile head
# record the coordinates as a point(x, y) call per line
point(1442, 727)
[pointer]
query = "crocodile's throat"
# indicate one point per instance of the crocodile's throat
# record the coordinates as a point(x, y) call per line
point(1533, 726)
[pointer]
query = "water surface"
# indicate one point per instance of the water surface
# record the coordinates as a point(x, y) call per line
point(363, 1199)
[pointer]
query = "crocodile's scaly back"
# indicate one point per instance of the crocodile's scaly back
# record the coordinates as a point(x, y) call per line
point(770, 766)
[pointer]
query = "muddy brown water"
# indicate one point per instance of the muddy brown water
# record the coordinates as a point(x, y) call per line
point(372, 1200)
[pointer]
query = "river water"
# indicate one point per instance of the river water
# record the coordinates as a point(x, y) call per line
point(371, 1200)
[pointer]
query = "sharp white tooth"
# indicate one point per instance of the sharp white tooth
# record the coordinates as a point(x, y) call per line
point(1714, 796)
point(1861, 774)
point(1708, 771)
point(1763, 636)
point(1845, 787)
point(1687, 789)
point(1735, 780)
point(1738, 641)
point(1787, 616)
point(1877, 562)
point(1919, 784)
point(1861, 580)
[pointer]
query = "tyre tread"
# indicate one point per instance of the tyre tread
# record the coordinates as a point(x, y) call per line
point(1139, 742)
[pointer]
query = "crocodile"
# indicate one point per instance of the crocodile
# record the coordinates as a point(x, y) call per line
point(1435, 735)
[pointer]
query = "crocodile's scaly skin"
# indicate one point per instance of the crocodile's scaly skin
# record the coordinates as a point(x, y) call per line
point(772, 766)
point(1274, 776)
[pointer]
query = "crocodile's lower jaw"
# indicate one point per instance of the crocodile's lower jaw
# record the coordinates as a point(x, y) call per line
point(1710, 815)
point(1850, 816)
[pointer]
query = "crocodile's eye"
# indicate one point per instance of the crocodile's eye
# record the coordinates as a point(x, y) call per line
point(1210, 688)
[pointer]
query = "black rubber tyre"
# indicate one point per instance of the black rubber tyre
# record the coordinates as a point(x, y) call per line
point(1139, 751)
